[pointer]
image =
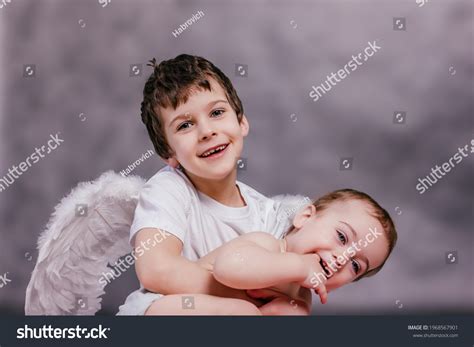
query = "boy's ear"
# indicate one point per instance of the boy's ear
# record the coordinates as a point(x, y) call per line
point(171, 161)
point(302, 216)
point(244, 125)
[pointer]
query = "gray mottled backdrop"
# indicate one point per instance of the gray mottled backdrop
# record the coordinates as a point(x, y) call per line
point(83, 87)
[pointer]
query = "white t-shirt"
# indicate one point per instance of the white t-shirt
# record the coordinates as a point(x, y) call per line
point(170, 202)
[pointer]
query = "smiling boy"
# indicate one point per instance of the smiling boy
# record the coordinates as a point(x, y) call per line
point(196, 123)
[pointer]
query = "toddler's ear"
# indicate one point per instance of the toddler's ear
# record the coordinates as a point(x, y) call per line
point(172, 162)
point(303, 215)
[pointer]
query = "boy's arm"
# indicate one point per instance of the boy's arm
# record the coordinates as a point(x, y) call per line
point(254, 261)
point(163, 270)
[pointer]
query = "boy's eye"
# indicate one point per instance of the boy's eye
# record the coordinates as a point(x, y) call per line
point(342, 237)
point(217, 113)
point(355, 266)
point(184, 125)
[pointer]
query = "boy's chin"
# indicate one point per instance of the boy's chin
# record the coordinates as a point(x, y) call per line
point(217, 175)
point(216, 172)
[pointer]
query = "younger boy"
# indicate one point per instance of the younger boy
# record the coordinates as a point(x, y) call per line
point(342, 237)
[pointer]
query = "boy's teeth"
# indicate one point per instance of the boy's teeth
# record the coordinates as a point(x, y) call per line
point(208, 153)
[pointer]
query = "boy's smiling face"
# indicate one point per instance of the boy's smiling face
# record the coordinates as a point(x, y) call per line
point(341, 236)
point(204, 134)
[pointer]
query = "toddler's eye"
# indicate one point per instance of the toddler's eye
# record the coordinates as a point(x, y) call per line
point(217, 113)
point(184, 125)
point(355, 266)
point(342, 237)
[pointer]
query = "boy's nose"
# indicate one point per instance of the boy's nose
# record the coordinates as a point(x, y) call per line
point(206, 132)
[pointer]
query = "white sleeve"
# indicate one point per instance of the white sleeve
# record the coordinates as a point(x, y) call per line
point(162, 204)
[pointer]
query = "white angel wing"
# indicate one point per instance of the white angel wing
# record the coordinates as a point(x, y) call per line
point(88, 230)
point(290, 204)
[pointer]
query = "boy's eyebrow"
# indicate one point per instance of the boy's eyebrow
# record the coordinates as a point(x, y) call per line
point(186, 115)
point(212, 103)
point(181, 116)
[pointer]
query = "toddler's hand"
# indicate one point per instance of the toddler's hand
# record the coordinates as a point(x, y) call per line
point(312, 281)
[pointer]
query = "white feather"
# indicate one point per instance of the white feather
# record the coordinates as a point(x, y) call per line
point(74, 251)
point(290, 204)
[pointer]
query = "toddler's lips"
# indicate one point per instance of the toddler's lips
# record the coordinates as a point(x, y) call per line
point(325, 268)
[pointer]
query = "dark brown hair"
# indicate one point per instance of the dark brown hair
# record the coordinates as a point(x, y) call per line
point(171, 84)
point(375, 211)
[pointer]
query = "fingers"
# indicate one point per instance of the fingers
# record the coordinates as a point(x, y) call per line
point(322, 292)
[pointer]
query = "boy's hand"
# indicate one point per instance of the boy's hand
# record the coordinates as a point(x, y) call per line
point(312, 267)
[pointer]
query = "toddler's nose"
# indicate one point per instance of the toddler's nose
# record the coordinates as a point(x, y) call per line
point(335, 259)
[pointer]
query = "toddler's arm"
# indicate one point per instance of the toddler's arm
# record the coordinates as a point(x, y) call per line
point(255, 261)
